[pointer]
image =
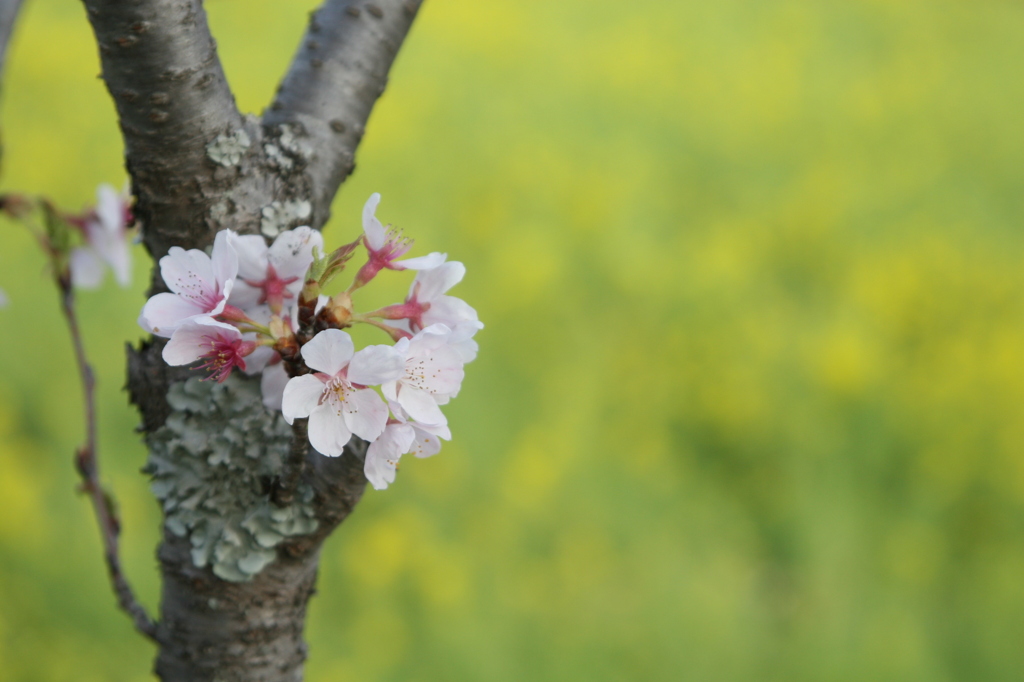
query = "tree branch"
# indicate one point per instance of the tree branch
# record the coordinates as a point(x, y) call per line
point(161, 67)
point(87, 463)
point(338, 72)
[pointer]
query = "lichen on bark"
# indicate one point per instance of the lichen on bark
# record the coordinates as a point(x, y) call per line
point(212, 463)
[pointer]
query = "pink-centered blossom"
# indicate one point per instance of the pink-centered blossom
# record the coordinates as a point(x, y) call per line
point(335, 397)
point(428, 304)
point(276, 273)
point(105, 229)
point(200, 286)
point(219, 345)
point(432, 374)
point(386, 245)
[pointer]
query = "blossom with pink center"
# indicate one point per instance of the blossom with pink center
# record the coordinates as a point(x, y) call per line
point(220, 345)
point(335, 397)
point(200, 286)
point(386, 245)
point(432, 375)
point(275, 273)
point(106, 241)
point(427, 304)
point(400, 437)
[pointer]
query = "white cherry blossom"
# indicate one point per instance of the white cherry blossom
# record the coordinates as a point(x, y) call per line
point(203, 338)
point(200, 286)
point(106, 241)
point(386, 244)
point(431, 376)
point(334, 397)
point(400, 437)
point(275, 273)
point(427, 296)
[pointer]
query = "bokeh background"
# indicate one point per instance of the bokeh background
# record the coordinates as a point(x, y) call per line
point(750, 396)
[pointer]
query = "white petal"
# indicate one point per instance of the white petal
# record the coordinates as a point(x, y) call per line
point(420, 405)
point(252, 256)
point(449, 311)
point(292, 253)
point(428, 339)
point(383, 454)
point(189, 273)
point(118, 254)
point(301, 395)
point(110, 208)
point(194, 338)
point(223, 259)
point(365, 413)
point(329, 351)
point(328, 432)
point(374, 365)
point(272, 384)
point(244, 296)
point(431, 260)
point(372, 227)
point(390, 391)
point(441, 372)
point(425, 443)
point(164, 312)
point(86, 268)
point(467, 349)
point(429, 284)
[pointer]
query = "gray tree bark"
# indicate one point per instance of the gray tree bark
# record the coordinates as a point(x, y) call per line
point(235, 592)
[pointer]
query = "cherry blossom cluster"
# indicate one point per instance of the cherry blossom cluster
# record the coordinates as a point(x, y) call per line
point(80, 246)
point(260, 309)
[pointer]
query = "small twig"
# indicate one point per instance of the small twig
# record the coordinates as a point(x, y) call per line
point(287, 483)
point(88, 468)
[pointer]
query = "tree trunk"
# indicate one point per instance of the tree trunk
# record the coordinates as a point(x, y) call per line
point(239, 563)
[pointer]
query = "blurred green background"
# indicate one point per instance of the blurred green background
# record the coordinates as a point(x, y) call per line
point(749, 401)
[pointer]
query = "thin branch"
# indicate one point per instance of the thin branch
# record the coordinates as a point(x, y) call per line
point(338, 72)
point(88, 468)
point(161, 67)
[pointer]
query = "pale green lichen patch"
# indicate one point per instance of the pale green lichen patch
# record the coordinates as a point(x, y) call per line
point(284, 215)
point(211, 463)
point(227, 150)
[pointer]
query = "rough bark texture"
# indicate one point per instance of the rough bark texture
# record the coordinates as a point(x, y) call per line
point(198, 166)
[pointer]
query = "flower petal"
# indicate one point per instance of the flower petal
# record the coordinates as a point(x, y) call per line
point(224, 260)
point(110, 209)
point(301, 396)
point(86, 268)
point(365, 413)
point(164, 312)
point(431, 260)
point(188, 273)
point(292, 252)
point(449, 311)
point(374, 365)
point(372, 228)
point(383, 454)
point(194, 338)
point(328, 432)
point(329, 351)
point(420, 405)
point(429, 284)
point(272, 384)
point(252, 254)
